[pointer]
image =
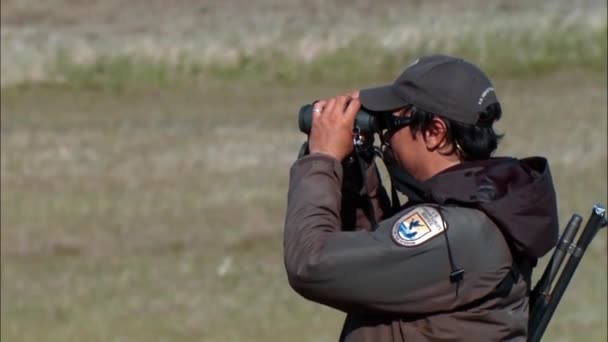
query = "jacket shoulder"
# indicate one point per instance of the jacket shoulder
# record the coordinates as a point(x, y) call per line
point(475, 238)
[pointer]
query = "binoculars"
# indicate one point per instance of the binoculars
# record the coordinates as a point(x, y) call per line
point(367, 122)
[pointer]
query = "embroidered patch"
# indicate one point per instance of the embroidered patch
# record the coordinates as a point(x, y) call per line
point(418, 226)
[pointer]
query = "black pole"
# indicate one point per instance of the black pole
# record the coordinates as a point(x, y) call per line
point(596, 221)
point(539, 298)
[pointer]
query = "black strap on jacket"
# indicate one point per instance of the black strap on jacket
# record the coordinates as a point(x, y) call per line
point(371, 213)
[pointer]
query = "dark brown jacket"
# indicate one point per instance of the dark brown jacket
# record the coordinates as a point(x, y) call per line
point(393, 291)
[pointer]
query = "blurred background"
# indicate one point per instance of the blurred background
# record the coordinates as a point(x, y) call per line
point(146, 147)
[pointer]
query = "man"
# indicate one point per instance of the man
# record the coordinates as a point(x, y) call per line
point(453, 263)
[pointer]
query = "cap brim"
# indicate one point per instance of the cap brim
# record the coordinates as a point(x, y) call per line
point(381, 99)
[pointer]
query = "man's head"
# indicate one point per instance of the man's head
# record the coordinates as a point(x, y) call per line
point(450, 105)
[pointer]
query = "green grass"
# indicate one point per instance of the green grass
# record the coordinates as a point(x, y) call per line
point(520, 53)
point(118, 72)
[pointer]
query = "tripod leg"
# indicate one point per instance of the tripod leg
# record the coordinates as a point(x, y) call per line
point(596, 221)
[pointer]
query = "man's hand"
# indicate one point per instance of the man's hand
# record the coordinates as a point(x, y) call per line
point(332, 125)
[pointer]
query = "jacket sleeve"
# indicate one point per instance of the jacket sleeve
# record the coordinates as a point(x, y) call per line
point(366, 271)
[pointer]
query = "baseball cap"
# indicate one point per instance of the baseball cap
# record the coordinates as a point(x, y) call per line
point(444, 85)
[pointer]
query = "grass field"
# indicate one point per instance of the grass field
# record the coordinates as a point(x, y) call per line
point(146, 148)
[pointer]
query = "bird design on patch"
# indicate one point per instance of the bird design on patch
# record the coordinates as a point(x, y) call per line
point(407, 232)
point(417, 226)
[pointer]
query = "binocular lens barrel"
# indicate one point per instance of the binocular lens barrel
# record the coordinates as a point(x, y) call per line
point(364, 121)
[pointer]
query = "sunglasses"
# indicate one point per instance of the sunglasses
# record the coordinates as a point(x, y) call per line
point(393, 123)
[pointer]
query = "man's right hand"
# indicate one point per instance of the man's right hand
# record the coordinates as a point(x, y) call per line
point(332, 126)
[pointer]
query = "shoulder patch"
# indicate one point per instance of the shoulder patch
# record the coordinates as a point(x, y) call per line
point(418, 226)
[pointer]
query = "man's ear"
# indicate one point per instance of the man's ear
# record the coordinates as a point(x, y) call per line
point(435, 136)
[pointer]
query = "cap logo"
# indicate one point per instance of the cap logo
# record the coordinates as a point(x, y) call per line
point(414, 63)
point(484, 94)
point(410, 65)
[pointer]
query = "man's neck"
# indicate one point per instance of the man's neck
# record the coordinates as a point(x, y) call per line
point(436, 165)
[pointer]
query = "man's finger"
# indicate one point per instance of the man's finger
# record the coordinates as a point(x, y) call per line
point(329, 107)
point(341, 102)
point(320, 104)
point(351, 110)
point(316, 113)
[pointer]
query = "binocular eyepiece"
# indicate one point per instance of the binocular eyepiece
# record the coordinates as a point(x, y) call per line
point(366, 122)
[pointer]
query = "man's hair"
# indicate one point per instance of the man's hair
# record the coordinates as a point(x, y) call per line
point(472, 142)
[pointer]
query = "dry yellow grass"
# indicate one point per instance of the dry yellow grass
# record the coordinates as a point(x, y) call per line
point(155, 213)
point(66, 40)
point(149, 216)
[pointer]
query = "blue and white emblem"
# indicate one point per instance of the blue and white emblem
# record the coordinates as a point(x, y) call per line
point(418, 226)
